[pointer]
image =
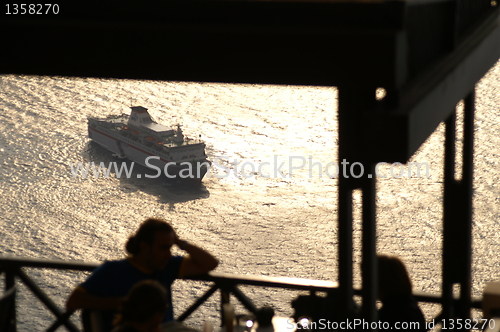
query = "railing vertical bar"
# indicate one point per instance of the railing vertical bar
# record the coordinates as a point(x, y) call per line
point(10, 281)
point(224, 298)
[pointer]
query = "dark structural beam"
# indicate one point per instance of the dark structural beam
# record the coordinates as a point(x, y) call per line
point(283, 42)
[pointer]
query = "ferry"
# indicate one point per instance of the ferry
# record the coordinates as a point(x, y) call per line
point(140, 139)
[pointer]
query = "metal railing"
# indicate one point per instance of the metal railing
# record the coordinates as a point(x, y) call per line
point(227, 284)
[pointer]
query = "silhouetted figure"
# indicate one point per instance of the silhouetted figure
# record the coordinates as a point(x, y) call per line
point(395, 292)
point(143, 309)
point(265, 316)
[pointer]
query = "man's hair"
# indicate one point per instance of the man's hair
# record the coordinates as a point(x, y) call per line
point(146, 233)
point(145, 299)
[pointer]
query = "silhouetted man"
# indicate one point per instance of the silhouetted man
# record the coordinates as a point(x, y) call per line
point(149, 258)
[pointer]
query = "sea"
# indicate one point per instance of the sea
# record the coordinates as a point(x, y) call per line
point(268, 206)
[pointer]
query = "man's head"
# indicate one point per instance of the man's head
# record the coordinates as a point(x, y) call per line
point(152, 243)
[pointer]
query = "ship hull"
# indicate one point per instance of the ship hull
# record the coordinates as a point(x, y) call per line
point(186, 171)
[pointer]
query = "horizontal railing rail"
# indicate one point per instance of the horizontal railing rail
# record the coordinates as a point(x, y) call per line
point(228, 284)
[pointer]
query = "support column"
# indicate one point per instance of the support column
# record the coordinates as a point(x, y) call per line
point(457, 216)
point(353, 102)
point(369, 246)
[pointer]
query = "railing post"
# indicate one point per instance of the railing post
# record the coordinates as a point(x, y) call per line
point(10, 281)
point(224, 298)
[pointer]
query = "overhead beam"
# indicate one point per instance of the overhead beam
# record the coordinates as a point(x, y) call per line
point(396, 135)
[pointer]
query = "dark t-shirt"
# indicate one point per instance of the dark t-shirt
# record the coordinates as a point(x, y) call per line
point(116, 278)
point(125, 328)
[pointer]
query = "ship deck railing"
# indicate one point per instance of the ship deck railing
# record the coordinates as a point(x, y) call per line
point(190, 141)
point(14, 270)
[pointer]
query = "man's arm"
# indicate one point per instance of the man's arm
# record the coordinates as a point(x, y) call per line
point(80, 299)
point(200, 260)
